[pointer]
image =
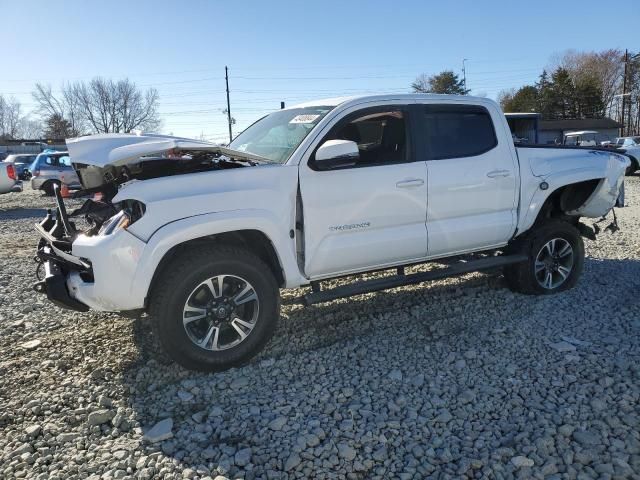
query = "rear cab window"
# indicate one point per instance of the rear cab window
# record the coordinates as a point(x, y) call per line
point(455, 131)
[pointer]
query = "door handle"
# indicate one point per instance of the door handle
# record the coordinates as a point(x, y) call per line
point(412, 182)
point(498, 173)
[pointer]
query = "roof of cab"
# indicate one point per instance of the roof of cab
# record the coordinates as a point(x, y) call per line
point(358, 99)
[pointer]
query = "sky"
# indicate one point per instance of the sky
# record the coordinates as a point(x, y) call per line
point(291, 51)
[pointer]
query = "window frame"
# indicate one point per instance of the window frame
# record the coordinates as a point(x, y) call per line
point(421, 125)
point(410, 151)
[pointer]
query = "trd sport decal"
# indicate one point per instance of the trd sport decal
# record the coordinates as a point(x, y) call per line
point(351, 226)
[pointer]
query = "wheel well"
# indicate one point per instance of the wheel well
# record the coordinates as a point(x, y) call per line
point(253, 240)
point(48, 182)
point(565, 199)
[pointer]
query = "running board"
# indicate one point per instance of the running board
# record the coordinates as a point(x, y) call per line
point(369, 286)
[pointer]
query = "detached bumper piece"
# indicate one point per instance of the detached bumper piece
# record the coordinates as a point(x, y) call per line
point(53, 253)
point(54, 286)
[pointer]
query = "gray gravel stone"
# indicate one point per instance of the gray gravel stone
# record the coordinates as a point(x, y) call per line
point(160, 431)
point(31, 344)
point(521, 461)
point(585, 437)
point(563, 347)
point(100, 416)
point(243, 457)
point(346, 451)
point(278, 423)
point(292, 462)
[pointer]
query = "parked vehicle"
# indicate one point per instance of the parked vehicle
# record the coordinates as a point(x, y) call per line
point(310, 193)
point(631, 147)
point(585, 138)
point(8, 178)
point(21, 162)
point(51, 168)
point(627, 142)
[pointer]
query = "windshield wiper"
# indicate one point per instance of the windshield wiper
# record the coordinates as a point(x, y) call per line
point(249, 157)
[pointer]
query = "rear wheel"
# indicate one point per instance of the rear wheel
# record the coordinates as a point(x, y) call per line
point(215, 309)
point(48, 187)
point(631, 169)
point(555, 253)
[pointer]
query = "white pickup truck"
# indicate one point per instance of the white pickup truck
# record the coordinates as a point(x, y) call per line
point(202, 237)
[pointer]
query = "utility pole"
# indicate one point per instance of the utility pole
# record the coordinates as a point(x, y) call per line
point(464, 74)
point(226, 77)
point(624, 89)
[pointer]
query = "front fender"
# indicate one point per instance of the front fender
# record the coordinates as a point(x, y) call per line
point(199, 226)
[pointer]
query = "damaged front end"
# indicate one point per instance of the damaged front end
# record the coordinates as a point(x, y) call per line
point(61, 273)
point(55, 260)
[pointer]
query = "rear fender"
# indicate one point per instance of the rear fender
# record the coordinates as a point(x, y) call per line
point(610, 175)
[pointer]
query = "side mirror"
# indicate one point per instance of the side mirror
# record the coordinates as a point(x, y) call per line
point(337, 154)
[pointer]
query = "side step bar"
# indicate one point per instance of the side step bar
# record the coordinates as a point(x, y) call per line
point(369, 286)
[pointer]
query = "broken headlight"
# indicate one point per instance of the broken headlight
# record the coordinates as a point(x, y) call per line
point(131, 212)
point(120, 220)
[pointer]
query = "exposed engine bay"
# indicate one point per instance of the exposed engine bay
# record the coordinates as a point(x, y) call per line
point(102, 215)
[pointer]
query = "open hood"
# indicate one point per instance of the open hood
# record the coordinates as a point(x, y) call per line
point(113, 158)
point(117, 149)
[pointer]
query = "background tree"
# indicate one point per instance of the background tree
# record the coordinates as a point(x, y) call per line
point(100, 106)
point(444, 82)
point(9, 117)
point(524, 99)
point(30, 129)
point(64, 106)
point(57, 126)
point(563, 94)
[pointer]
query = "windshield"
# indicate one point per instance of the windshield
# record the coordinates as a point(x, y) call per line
point(276, 136)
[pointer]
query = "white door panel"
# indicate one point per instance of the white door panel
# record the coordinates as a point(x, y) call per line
point(360, 218)
point(472, 178)
point(471, 202)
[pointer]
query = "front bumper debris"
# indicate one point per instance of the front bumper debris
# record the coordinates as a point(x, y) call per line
point(54, 255)
point(54, 285)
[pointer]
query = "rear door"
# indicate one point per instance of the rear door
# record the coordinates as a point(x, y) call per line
point(473, 177)
point(371, 214)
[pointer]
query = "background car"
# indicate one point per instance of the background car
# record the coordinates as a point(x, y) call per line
point(8, 178)
point(627, 142)
point(53, 168)
point(585, 138)
point(631, 147)
point(21, 162)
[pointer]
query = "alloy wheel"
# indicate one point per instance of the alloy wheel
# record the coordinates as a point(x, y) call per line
point(220, 312)
point(554, 263)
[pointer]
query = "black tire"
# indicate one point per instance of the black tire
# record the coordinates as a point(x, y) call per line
point(631, 169)
point(47, 188)
point(522, 278)
point(175, 288)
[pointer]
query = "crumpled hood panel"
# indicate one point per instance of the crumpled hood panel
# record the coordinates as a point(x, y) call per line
point(122, 148)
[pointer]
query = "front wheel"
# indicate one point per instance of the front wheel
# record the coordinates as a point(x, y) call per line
point(555, 252)
point(215, 309)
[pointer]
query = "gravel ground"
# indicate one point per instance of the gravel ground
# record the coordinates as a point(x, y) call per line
point(455, 379)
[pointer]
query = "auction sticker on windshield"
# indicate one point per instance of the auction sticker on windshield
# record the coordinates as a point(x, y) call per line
point(304, 118)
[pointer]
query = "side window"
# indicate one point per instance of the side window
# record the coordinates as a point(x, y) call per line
point(48, 160)
point(453, 131)
point(381, 136)
point(65, 161)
